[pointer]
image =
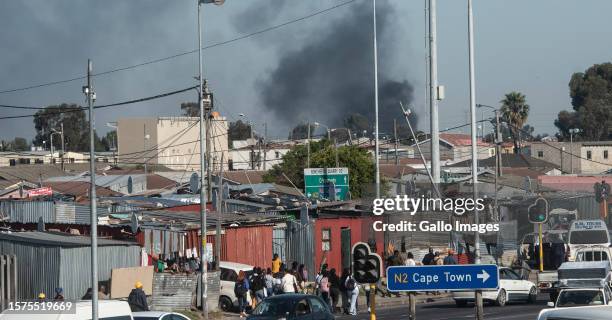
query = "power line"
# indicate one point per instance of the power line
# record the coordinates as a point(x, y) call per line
point(258, 32)
point(100, 106)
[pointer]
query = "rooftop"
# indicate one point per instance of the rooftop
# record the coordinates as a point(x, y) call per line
point(58, 239)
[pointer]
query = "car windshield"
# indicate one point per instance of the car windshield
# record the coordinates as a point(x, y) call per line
point(576, 298)
point(589, 237)
point(273, 307)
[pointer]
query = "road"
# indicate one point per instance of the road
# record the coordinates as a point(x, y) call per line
point(446, 310)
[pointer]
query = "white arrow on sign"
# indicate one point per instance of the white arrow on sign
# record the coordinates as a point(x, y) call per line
point(484, 276)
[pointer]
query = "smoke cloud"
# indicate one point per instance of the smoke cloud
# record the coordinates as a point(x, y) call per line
point(332, 74)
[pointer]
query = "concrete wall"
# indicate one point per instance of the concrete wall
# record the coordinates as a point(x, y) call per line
point(598, 163)
point(131, 139)
point(559, 153)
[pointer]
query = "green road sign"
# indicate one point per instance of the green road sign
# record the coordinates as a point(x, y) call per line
point(327, 183)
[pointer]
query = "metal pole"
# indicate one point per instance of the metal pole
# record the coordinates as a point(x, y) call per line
point(377, 149)
point(209, 149)
point(144, 146)
point(219, 217)
point(541, 245)
point(92, 198)
point(571, 152)
point(63, 150)
point(308, 147)
point(350, 136)
point(412, 305)
point(372, 297)
point(396, 141)
point(433, 94)
point(336, 151)
point(203, 262)
point(51, 137)
point(478, 294)
point(265, 157)
point(499, 142)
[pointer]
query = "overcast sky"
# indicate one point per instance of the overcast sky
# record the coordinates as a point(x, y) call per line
point(525, 45)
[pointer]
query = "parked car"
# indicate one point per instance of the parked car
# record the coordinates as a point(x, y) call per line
point(229, 275)
point(292, 307)
point(107, 309)
point(582, 297)
point(582, 313)
point(511, 288)
point(158, 315)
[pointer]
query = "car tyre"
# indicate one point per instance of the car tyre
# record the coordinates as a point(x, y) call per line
point(533, 295)
point(225, 304)
point(460, 303)
point(501, 298)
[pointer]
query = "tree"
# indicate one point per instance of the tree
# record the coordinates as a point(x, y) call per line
point(323, 155)
point(301, 131)
point(17, 144)
point(515, 111)
point(357, 123)
point(190, 109)
point(76, 126)
point(591, 94)
point(238, 131)
point(109, 142)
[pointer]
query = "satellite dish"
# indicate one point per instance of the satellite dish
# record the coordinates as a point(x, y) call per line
point(130, 185)
point(194, 183)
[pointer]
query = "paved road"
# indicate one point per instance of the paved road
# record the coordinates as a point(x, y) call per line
point(446, 310)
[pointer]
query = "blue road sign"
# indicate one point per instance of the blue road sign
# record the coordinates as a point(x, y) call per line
point(449, 277)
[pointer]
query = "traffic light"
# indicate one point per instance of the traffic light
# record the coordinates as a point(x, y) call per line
point(538, 211)
point(366, 265)
point(602, 191)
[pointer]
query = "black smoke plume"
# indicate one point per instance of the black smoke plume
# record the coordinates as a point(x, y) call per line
point(332, 74)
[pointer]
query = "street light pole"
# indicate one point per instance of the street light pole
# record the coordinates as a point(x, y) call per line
point(433, 94)
point(88, 90)
point(572, 132)
point(63, 145)
point(203, 255)
point(377, 150)
point(478, 293)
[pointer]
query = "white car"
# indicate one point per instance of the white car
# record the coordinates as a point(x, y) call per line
point(158, 315)
point(582, 313)
point(582, 297)
point(229, 275)
point(107, 309)
point(511, 288)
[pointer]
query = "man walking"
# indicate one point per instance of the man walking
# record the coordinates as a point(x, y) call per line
point(138, 299)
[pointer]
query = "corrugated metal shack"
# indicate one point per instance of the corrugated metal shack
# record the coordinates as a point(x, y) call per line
point(49, 260)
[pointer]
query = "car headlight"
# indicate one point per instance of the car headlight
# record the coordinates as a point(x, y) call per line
point(563, 282)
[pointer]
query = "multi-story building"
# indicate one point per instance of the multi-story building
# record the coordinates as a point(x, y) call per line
point(586, 157)
point(251, 154)
point(170, 141)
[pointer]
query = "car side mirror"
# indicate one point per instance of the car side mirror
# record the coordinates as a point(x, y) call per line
point(550, 304)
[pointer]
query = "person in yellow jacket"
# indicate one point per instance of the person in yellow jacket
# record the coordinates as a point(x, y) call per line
point(276, 264)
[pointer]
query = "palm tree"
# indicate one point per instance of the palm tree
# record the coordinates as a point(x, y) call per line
point(515, 111)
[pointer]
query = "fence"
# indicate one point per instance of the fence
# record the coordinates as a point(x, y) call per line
point(8, 280)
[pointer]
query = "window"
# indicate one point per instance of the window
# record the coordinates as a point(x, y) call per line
point(317, 305)
point(326, 239)
point(228, 275)
point(540, 154)
point(277, 154)
point(589, 155)
point(302, 308)
point(605, 154)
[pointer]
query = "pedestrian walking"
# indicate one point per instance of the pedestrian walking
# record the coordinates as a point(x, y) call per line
point(352, 288)
point(450, 258)
point(289, 283)
point(325, 287)
point(409, 260)
point(438, 260)
point(138, 299)
point(334, 289)
point(276, 263)
point(241, 288)
point(428, 259)
point(269, 279)
point(344, 291)
point(257, 283)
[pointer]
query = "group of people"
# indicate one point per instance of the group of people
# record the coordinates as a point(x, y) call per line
point(431, 258)
point(333, 289)
point(176, 264)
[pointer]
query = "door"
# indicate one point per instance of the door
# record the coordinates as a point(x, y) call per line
point(345, 247)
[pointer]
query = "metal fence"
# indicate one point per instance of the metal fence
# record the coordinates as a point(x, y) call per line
point(27, 211)
point(8, 280)
point(173, 291)
point(300, 243)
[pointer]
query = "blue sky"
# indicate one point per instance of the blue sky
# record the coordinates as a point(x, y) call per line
point(529, 46)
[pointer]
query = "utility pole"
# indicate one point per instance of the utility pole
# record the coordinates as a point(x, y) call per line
point(63, 145)
point(377, 149)
point(336, 150)
point(265, 143)
point(145, 137)
point(308, 147)
point(203, 255)
point(252, 157)
point(434, 94)
point(478, 293)
point(208, 114)
point(498, 144)
point(396, 141)
point(572, 132)
point(91, 96)
point(219, 209)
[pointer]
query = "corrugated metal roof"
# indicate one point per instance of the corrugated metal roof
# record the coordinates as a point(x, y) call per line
point(58, 239)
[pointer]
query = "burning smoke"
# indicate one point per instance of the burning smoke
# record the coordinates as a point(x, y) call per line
point(332, 74)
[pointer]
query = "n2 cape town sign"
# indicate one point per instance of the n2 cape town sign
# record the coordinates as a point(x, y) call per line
point(449, 277)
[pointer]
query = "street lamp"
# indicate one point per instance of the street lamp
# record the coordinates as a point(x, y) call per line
point(350, 137)
point(53, 131)
point(572, 132)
